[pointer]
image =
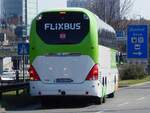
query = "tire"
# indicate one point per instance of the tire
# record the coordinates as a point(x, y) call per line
point(98, 101)
point(111, 95)
point(104, 99)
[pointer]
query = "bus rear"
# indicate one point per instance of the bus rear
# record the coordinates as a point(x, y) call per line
point(63, 55)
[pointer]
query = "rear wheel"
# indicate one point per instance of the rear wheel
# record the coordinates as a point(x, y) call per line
point(104, 99)
point(98, 101)
point(111, 95)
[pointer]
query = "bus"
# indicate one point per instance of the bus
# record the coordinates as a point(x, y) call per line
point(72, 53)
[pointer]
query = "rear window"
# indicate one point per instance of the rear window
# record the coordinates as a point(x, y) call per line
point(62, 27)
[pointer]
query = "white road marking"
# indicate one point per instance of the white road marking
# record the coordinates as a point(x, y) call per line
point(99, 112)
point(142, 98)
point(125, 103)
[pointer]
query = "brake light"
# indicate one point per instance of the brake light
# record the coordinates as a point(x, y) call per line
point(93, 74)
point(33, 74)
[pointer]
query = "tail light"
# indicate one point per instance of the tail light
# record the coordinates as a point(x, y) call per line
point(93, 74)
point(33, 74)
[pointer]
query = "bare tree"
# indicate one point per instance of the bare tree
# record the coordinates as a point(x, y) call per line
point(111, 10)
point(98, 7)
point(125, 7)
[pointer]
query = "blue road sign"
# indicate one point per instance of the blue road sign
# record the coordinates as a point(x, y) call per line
point(19, 31)
point(119, 33)
point(23, 48)
point(137, 42)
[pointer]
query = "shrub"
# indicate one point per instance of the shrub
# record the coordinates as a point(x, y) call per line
point(132, 72)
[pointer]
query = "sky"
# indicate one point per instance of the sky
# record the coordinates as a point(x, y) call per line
point(49, 4)
point(140, 8)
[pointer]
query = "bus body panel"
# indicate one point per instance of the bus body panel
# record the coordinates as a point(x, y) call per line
point(86, 88)
point(82, 47)
point(108, 69)
point(63, 69)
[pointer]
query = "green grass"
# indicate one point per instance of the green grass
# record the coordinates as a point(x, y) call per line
point(132, 82)
point(11, 93)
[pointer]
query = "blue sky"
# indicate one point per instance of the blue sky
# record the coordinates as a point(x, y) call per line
point(141, 8)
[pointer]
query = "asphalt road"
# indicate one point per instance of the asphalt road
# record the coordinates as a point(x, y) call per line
point(135, 99)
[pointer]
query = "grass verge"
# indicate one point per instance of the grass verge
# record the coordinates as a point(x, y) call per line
point(124, 83)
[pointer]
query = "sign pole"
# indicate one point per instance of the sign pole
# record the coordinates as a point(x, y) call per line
point(23, 49)
point(23, 65)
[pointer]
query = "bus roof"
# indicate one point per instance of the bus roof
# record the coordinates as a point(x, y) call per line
point(103, 25)
point(67, 9)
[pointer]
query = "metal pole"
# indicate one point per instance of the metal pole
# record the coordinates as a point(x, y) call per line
point(26, 17)
point(105, 11)
point(24, 38)
point(23, 65)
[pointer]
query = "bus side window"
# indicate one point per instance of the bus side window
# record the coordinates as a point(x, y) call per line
point(99, 36)
point(106, 81)
point(103, 81)
point(115, 79)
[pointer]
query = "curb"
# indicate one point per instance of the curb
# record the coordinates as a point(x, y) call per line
point(138, 84)
point(122, 86)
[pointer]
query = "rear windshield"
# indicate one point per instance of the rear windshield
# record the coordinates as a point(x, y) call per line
point(62, 27)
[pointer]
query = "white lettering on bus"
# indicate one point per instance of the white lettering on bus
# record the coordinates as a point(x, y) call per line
point(66, 26)
point(62, 26)
point(78, 27)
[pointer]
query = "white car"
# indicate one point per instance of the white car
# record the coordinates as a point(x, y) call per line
point(7, 75)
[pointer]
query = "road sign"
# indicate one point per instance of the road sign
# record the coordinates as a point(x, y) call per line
point(23, 48)
point(121, 35)
point(19, 31)
point(137, 42)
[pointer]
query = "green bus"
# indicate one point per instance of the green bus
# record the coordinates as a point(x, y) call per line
point(72, 53)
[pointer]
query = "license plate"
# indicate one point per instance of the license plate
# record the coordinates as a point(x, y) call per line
point(64, 80)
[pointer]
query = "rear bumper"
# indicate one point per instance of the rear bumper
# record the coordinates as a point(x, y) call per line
point(87, 88)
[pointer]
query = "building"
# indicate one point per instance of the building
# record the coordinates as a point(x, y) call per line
point(30, 10)
point(0, 10)
point(18, 13)
point(79, 3)
point(15, 19)
point(107, 8)
point(10, 8)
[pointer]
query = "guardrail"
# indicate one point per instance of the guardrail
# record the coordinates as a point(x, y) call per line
point(12, 86)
